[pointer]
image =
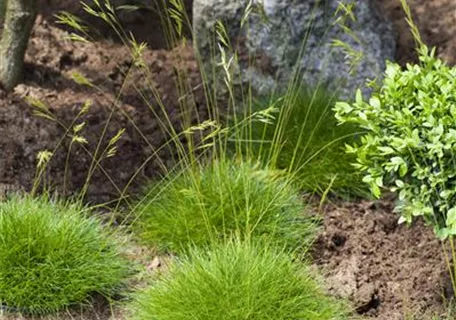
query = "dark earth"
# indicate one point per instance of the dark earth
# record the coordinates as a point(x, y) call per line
point(388, 271)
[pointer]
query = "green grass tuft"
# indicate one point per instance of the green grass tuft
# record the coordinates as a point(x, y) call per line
point(237, 281)
point(53, 255)
point(220, 200)
point(303, 138)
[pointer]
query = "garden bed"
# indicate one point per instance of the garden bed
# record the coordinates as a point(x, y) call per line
point(388, 271)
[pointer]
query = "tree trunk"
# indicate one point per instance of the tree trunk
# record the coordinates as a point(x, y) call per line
point(2, 10)
point(19, 19)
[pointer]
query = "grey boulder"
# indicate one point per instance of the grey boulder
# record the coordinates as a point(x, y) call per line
point(316, 42)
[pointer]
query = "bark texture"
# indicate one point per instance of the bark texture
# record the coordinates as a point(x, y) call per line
point(19, 19)
point(2, 10)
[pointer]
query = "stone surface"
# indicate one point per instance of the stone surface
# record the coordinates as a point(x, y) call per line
point(130, 15)
point(296, 37)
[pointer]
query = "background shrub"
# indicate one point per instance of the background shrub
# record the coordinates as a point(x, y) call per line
point(411, 141)
point(223, 199)
point(237, 281)
point(53, 255)
point(300, 134)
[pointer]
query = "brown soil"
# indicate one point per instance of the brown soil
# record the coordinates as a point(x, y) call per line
point(51, 61)
point(144, 23)
point(388, 271)
point(436, 20)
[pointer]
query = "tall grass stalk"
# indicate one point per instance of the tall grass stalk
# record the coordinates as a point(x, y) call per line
point(300, 135)
point(306, 151)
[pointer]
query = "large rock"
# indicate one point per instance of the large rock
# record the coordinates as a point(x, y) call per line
point(284, 36)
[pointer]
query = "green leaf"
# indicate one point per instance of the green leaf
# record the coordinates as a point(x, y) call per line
point(375, 191)
point(403, 169)
point(375, 102)
point(343, 107)
point(397, 160)
point(446, 193)
point(452, 230)
point(379, 181)
point(403, 219)
point(368, 179)
point(386, 150)
point(441, 234)
point(359, 97)
point(399, 183)
point(451, 217)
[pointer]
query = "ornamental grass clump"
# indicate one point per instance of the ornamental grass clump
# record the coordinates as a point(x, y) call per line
point(53, 255)
point(236, 281)
point(410, 141)
point(298, 133)
point(216, 201)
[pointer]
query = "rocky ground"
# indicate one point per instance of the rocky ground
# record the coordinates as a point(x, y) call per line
point(388, 271)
